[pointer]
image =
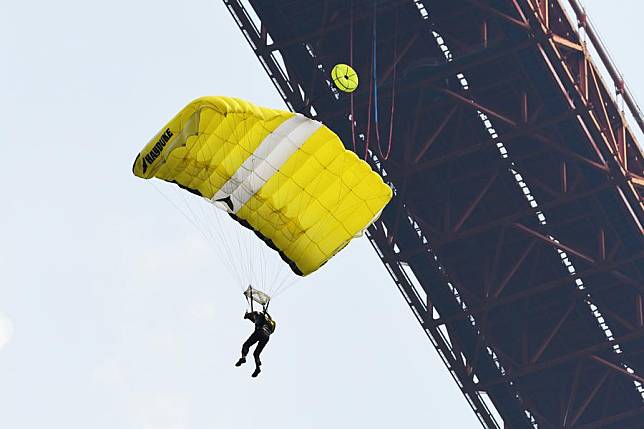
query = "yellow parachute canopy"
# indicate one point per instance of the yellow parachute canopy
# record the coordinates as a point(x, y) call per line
point(281, 174)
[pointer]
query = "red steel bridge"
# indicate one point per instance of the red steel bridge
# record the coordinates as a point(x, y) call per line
point(516, 230)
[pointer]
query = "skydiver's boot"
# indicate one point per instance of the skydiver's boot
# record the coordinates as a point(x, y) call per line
point(257, 371)
point(241, 361)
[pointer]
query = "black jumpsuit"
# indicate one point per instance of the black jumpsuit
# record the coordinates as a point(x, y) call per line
point(261, 335)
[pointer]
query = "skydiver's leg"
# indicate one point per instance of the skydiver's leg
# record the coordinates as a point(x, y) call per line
point(254, 337)
point(261, 343)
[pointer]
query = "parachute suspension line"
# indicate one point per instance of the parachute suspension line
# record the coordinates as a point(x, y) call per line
point(227, 241)
point(271, 270)
point(374, 71)
point(250, 251)
point(198, 225)
point(207, 214)
point(222, 233)
point(374, 74)
point(274, 214)
point(373, 88)
point(247, 254)
point(368, 134)
point(353, 119)
point(393, 93)
point(247, 251)
point(226, 251)
point(278, 270)
point(372, 79)
point(285, 285)
point(206, 226)
point(282, 273)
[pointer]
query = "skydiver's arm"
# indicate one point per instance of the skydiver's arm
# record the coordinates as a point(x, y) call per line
point(252, 316)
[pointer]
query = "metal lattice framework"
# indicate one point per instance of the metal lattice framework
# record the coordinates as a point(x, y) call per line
point(516, 230)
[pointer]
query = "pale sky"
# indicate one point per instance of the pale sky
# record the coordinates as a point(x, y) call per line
point(114, 311)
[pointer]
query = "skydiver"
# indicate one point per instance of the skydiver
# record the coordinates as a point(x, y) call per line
point(264, 327)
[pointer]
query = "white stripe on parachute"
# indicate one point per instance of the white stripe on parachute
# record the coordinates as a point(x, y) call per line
point(265, 161)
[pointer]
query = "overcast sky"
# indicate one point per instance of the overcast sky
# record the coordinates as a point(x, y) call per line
point(114, 311)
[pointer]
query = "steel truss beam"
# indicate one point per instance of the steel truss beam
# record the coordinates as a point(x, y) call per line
point(462, 333)
point(586, 353)
point(564, 281)
point(598, 136)
point(423, 309)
